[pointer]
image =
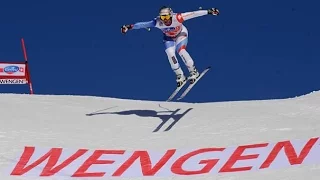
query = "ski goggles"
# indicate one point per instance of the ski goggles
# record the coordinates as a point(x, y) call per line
point(165, 17)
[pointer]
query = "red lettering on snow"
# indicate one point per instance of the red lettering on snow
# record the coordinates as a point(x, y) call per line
point(290, 152)
point(48, 170)
point(209, 163)
point(148, 169)
point(146, 165)
point(93, 159)
point(237, 155)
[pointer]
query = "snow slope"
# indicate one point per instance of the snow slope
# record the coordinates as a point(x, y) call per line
point(70, 123)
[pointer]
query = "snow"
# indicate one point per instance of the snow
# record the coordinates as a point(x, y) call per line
point(75, 122)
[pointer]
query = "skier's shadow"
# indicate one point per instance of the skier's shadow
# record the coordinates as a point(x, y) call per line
point(165, 116)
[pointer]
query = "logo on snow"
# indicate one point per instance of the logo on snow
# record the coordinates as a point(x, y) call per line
point(11, 69)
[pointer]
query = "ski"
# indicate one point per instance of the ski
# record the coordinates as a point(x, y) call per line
point(176, 91)
point(186, 91)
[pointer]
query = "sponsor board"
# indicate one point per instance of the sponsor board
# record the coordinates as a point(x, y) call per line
point(12, 69)
point(75, 163)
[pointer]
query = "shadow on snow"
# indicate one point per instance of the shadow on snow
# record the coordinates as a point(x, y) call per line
point(165, 115)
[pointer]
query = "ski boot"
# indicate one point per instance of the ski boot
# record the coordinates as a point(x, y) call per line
point(180, 79)
point(194, 74)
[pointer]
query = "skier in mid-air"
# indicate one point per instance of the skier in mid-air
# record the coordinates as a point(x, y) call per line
point(175, 38)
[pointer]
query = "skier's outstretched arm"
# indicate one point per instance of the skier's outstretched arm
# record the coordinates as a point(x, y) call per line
point(138, 25)
point(146, 24)
point(194, 14)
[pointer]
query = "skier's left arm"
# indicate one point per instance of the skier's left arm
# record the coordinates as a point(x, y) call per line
point(194, 14)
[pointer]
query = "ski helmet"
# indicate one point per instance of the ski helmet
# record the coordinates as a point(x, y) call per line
point(165, 13)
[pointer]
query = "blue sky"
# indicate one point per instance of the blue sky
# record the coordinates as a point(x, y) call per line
point(257, 49)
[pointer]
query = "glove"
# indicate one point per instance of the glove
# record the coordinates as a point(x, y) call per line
point(125, 28)
point(213, 11)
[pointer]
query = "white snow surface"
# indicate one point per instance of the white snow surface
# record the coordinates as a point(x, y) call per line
point(74, 122)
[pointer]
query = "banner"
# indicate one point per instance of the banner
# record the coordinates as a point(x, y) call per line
point(10, 70)
point(13, 81)
point(85, 163)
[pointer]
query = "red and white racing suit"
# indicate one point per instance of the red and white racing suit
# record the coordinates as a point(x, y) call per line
point(175, 37)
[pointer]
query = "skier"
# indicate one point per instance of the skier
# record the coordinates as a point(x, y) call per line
point(175, 38)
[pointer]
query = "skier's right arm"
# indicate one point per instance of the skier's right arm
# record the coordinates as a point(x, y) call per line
point(138, 25)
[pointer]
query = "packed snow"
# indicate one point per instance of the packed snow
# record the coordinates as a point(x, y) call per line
point(98, 123)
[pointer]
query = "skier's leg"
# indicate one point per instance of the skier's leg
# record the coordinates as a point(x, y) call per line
point(182, 41)
point(175, 66)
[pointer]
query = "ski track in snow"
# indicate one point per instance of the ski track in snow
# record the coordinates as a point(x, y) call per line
point(110, 123)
